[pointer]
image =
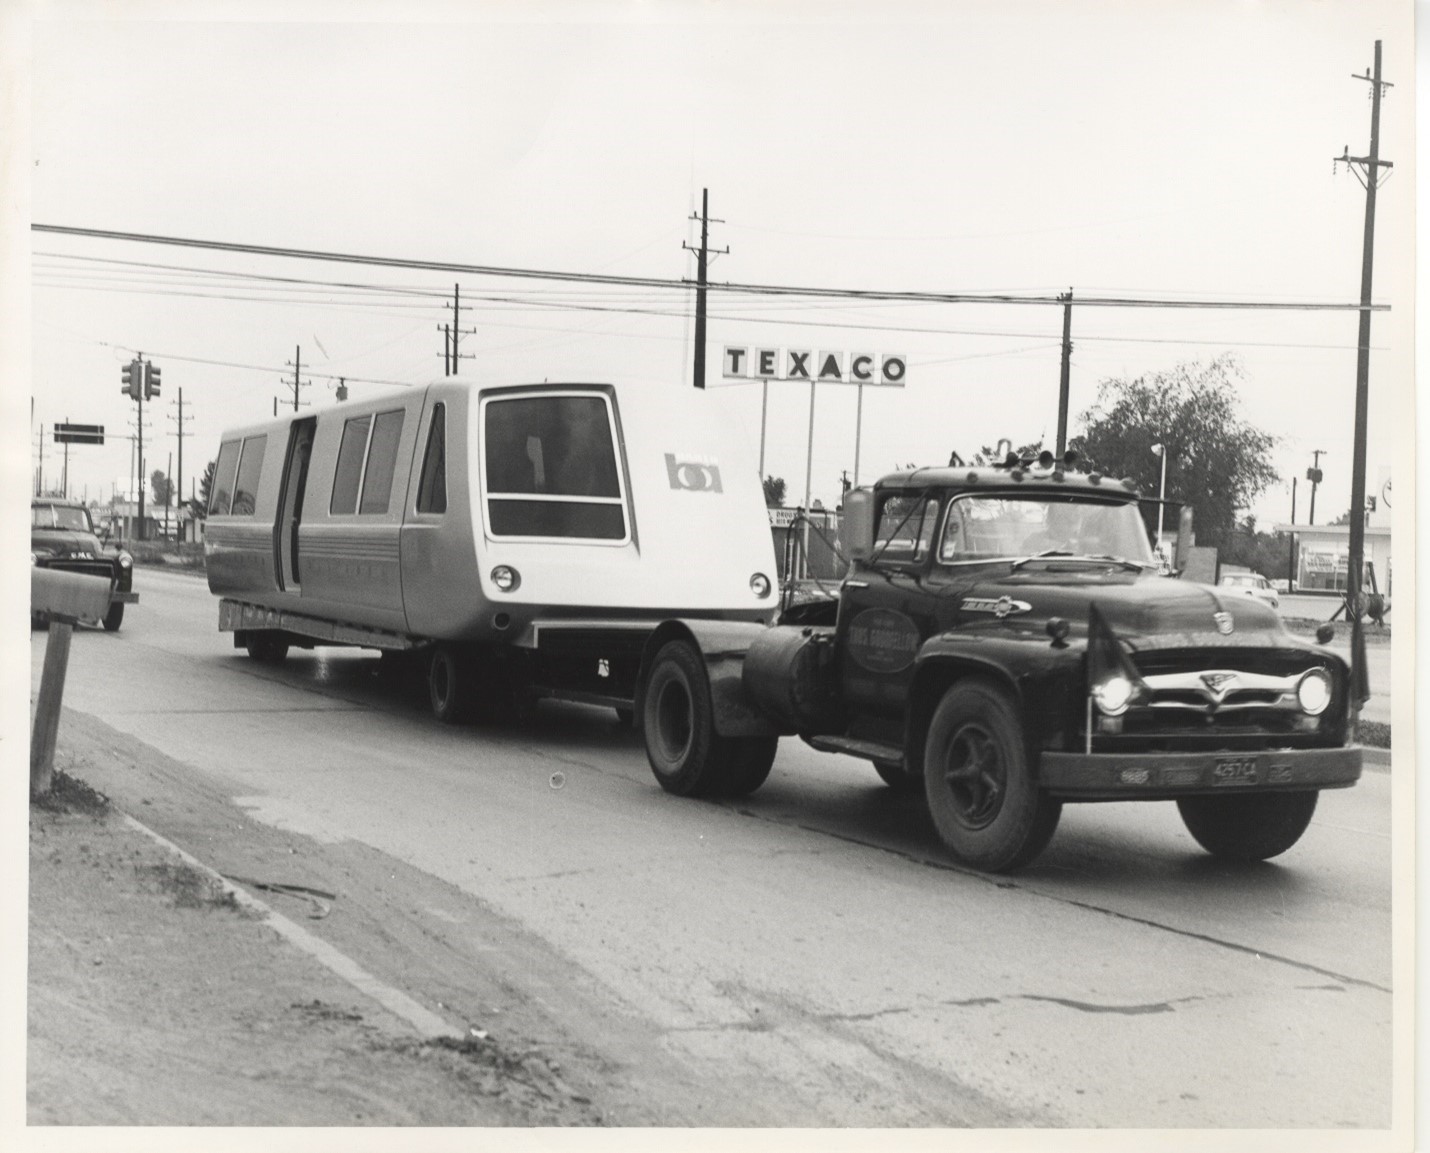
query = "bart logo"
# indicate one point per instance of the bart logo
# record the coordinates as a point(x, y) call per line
point(694, 476)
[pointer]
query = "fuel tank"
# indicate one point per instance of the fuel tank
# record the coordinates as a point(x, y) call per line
point(791, 673)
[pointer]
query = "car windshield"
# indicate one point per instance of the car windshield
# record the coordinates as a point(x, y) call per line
point(60, 516)
point(994, 527)
point(1240, 580)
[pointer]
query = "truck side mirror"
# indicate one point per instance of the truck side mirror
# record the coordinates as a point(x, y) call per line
point(859, 523)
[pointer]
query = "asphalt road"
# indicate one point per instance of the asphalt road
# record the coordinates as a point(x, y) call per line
point(805, 956)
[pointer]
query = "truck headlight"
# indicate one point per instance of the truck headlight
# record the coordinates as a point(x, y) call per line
point(506, 578)
point(33, 560)
point(1113, 694)
point(1314, 692)
point(760, 585)
point(125, 560)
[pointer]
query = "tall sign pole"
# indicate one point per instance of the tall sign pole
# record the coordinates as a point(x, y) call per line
point(1368, 169)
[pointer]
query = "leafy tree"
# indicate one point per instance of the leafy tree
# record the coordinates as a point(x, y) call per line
point(1264, 552)
point(1216, 462)
point(200, 506)
point(161, 487)
point(774, 491)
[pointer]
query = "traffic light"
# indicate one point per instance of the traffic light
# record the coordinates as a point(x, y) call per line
point(1314, 475)
point(129, 374)
point(151, 381)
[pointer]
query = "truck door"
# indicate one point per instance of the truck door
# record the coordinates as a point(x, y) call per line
point(290, 501)
point(885, 612)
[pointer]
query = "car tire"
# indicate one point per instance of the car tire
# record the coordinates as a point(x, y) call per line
point(897, 777)
point(114, 617)
point(985, 804)
point(688, 757)
point(1252, 828)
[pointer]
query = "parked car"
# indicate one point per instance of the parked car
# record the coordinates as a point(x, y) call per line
point(62, 537)
point(1251, 584)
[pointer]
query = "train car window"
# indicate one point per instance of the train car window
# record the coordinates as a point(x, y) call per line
point(381, 462)
point(222, 495)
point(250, 466)
point(349, 471)
point(551, 468)
point(432, 488)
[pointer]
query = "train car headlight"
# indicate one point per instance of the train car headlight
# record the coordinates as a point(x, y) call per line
point(760, 585)
point(1314, 692)
point(506, 578)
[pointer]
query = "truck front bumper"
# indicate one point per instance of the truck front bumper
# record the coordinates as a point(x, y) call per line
point(1161, 776)
point(127, 597)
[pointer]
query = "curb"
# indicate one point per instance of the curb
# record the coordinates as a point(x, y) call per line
point(427, 1023)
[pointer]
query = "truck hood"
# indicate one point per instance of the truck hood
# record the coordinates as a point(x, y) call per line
point(1146, 612)
point(60, 542)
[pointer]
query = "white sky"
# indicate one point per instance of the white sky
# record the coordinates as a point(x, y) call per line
point(1167, 150)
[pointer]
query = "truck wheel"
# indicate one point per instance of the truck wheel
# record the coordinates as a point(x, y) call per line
point(448, 685)
point(988, 810)
point(678, 723)
point(263, 646)
point(895, 776)
point(1248, 828)
point(114, 617)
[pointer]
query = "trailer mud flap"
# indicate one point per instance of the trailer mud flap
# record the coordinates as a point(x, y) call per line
point(734, 716)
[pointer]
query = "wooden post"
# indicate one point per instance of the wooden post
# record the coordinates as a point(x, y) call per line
point(47, 708)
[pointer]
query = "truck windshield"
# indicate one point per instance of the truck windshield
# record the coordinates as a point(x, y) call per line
point(60, 516)
point(990, 528)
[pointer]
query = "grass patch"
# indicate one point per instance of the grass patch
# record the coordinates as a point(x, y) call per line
point(71, 795)
point(1374, 734)
point(190, 887)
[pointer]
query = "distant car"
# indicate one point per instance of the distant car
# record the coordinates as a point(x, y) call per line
point(62, 537)
point(1251, 584)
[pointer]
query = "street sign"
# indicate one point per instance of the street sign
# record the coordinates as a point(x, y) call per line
point(79, 434)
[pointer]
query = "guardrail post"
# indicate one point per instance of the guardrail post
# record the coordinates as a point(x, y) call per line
point(47, 708)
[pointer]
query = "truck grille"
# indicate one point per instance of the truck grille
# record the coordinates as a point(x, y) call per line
point(99, 568)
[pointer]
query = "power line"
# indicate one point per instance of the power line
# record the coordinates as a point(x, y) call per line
point(685, 285)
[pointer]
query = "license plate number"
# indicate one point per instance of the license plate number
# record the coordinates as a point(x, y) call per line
point(1234, 771)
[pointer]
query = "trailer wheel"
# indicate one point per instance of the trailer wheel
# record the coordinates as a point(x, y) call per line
point(262, 645)
point(1248, 828)
point(448, 687)
point(114, 617)
point(897, 777)
point(686, 754)
point(987, 808)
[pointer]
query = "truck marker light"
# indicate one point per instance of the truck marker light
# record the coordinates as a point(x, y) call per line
point(506, 578)
point(1314, 692)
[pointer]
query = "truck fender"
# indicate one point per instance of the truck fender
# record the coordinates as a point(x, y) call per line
point(722, 646)
point(941, 662)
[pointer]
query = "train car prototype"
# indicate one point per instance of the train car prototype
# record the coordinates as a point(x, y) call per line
point(531, 535)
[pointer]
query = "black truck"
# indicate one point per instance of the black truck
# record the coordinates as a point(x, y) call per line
point(1004, 643)
point(62, 537)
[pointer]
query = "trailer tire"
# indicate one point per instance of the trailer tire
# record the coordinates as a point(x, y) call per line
point(897, 777)
point(449, 688)
point(114, 617)
point(987, 807)
point(688, 757)
point(1250, 828)
point(262, 645)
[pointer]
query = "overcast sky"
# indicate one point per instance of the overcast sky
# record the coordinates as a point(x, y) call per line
point(1161, 151)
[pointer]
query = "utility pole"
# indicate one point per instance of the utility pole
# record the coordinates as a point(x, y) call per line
point(1367, 169)
point(1314, 474)
point(179, 421)
point(453, 332)
point(168, 494)
point(1291, 556)
point(1065, 378)
point(295, 384)
point(65, 475)
point(40, 472)
point(702, 263)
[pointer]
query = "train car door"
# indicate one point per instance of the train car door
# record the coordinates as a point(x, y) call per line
point(290, 501)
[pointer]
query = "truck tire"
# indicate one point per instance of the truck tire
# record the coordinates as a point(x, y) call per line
point(1248, 828)
point(449, 687)
point(685, 753)
point(262, 645)
point(114, 617)
point(897, 778)
point(988, 810)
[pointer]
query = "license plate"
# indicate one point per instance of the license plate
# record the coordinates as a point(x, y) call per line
point(1234, 771)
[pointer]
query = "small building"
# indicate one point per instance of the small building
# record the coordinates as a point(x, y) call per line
point(1323, 557)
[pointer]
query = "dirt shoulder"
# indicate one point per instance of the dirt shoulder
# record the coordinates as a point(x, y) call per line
point(157, 999)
